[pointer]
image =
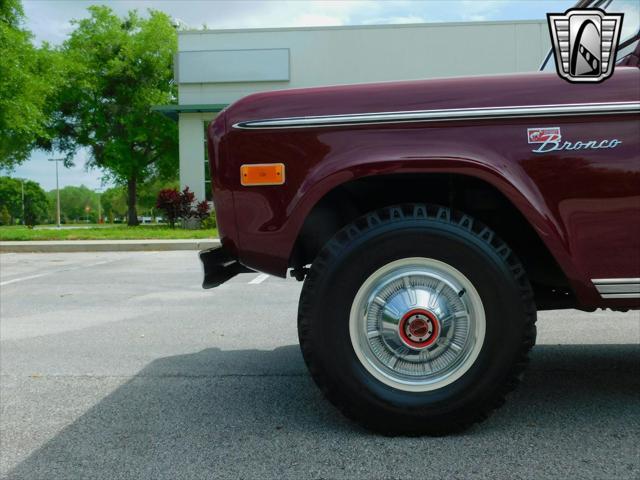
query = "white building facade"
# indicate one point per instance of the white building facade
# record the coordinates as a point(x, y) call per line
point(214, 68)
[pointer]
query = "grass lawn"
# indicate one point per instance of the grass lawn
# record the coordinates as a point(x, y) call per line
point(103, 232)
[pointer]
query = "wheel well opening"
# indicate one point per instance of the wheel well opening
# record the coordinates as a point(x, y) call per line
point(468, 194)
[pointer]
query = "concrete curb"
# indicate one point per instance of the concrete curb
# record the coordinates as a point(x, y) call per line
point(106, 246)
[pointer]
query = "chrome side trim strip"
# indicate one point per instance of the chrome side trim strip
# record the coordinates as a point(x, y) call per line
point(609, 281)
point(444, 115)
point(620, 295)
point(618, 287)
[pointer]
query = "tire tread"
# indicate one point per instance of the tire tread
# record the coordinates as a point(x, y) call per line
point(398, 213)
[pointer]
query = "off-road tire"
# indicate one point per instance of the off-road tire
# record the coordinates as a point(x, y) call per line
point(416, 230)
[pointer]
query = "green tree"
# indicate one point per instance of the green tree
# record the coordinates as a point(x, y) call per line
point(149, 194)
point(114, 202)
point(29, 77)
point(35, 200)
point(119, 68)
point(76, 204)
point(5, 217)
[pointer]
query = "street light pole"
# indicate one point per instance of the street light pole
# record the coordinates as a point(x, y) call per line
point(57, 190)
point(22, 184)
point(99, 192)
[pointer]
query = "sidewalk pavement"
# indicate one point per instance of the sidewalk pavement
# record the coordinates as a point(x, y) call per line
point(106, 245)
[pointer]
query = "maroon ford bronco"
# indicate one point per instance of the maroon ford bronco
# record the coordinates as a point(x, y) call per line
point(430, 221)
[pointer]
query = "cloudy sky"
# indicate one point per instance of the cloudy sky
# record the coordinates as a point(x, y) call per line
point(50, 20)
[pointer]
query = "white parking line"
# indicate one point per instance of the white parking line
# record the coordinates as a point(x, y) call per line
point(99, 263)
point(15, 280)
point(38, 275)
point(259, 279)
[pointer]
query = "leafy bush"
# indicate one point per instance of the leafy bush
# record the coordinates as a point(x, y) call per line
point(210, 222)
point(170, 202)
point(176, 205)
point(202, 210)
point(187, 197)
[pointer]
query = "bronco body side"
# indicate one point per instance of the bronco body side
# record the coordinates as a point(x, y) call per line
point(582, 203)
point(430, 221)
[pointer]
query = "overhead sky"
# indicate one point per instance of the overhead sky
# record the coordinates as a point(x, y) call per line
point(50, 20)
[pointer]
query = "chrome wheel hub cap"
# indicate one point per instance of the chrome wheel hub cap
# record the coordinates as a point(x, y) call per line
point(418, 329)
point(417, 324)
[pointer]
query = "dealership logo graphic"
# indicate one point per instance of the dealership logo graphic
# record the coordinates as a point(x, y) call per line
point(585, 43)
point(549, 139)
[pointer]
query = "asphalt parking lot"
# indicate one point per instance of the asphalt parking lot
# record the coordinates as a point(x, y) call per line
point(117, 365)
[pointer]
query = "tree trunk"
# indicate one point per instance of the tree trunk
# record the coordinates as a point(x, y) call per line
point(132, 194)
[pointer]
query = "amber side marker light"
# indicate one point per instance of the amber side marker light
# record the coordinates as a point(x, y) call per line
point(262, 174)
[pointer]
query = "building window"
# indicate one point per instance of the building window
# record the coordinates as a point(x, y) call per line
point(207, 171)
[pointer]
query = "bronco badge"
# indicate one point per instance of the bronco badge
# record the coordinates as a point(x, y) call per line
point(585, 43)
point(550, 140)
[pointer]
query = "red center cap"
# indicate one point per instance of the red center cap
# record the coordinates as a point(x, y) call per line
point(419, 328)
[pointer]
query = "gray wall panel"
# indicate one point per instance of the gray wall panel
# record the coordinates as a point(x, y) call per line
point(224, 66)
